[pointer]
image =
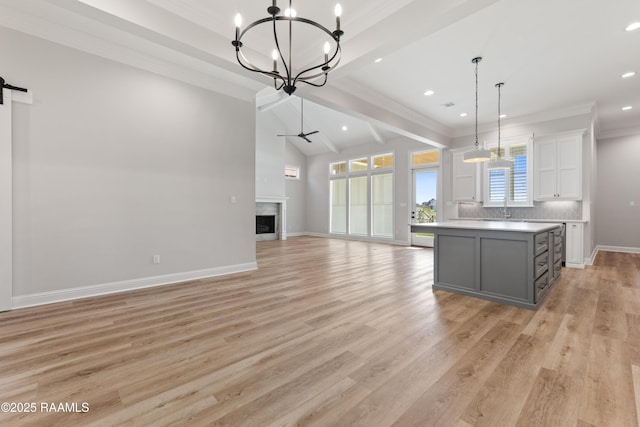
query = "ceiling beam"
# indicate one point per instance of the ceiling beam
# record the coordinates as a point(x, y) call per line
point(374, 133)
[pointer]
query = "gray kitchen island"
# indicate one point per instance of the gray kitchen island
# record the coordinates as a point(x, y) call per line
point(513, 263)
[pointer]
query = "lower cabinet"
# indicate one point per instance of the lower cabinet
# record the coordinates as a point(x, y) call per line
point(574, 242)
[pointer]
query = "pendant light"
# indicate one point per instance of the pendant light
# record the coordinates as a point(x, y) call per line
point(479, 154)
point(499, 163)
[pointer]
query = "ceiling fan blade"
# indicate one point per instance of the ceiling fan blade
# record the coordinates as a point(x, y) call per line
point(287, 135)
point(311, 133)
point(306, 139)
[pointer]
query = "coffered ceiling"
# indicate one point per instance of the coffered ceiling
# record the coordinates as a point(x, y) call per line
point(556, 58)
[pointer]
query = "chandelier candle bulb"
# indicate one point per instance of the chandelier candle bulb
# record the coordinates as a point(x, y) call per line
point(338, 12)
point(238, 22)
point(274, 56)
point(327, 49)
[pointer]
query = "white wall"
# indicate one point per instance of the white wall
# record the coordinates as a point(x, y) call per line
point(270, 156)
point(318, 184)
point(296, 191)
point(113, 164)
point(618, 224)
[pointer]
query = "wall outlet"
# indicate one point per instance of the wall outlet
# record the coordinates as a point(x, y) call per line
point(233, 199)
point(156, 259)
point(632, 203)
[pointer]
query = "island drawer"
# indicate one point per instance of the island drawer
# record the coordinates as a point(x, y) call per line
point(541, 264)
point(541, 286)
point(541, 243)
point(557, 253)
point(557, 268)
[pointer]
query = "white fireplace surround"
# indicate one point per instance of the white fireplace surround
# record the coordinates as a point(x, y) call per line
point(281, 226)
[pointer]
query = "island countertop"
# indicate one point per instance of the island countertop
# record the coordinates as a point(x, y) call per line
point(522, 227)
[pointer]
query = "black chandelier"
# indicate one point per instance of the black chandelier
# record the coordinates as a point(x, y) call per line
point(290, 77)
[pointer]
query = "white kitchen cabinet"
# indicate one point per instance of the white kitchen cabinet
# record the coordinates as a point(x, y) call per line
point(574, 245)
point(557, 167)
point(467, 181)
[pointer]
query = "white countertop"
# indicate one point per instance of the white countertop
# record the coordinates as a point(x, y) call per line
point(521, 220)
point(524, 227)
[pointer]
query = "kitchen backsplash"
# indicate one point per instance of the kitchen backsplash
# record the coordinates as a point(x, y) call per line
point(566, 210)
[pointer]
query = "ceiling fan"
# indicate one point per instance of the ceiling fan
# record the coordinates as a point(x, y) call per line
point(302, 134)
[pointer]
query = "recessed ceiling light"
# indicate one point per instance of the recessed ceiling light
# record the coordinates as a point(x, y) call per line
point(629, 74)
point(377, 60)
point(463, 114)
point(344, 128)
point(429, 93)
point(502, 116)
point(627, 108)
point(633, 26)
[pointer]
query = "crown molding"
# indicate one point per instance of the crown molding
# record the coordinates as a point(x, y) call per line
point(616, 133)
point(546, 116)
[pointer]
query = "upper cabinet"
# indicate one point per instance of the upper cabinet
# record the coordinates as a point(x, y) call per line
point(467, 181)
point(557, 167)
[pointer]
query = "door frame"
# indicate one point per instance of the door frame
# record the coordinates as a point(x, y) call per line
point(6, 193)
point(6, 203)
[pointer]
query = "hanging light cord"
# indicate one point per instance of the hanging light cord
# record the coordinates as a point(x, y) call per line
point(499, 94)
point(476, 61)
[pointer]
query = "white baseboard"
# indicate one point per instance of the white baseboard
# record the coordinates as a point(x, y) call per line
point(297, 234)
point(592, 258)
point(40, 298)
point(617, 249)
point(604, 248)
point(574, 265)
point(356, 238)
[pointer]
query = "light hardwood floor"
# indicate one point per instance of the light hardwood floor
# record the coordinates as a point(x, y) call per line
point(332, 332)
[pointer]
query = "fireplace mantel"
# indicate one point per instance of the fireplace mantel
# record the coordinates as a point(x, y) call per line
point(282, 202)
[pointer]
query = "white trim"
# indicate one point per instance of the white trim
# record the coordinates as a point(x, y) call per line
point(23, 97)
point(357, 238)
point(616, 133)
point(573, 265)
point(6, 200)
point(592, 258)
point(604, 248)
point(517, 122)
point(40, 298)
point(625, 249)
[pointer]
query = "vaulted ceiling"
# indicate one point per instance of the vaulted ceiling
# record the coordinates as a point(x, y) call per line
point(556, 58)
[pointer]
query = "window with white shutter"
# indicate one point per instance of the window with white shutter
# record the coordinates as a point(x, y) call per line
point(515, 183)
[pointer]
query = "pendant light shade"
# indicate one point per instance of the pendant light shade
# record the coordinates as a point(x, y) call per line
point(499, 163)
point(479, 154)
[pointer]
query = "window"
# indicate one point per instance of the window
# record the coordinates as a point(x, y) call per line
point(425, 158)
point(358, 204)
point(338, 217)
point(362, 196)
point(358, 165)
point(383, 161)
point(514, 183)
point(382, 205)
point(338, 168)
point(292, 172)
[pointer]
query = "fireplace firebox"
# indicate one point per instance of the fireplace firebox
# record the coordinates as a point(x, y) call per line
point(265, 224)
